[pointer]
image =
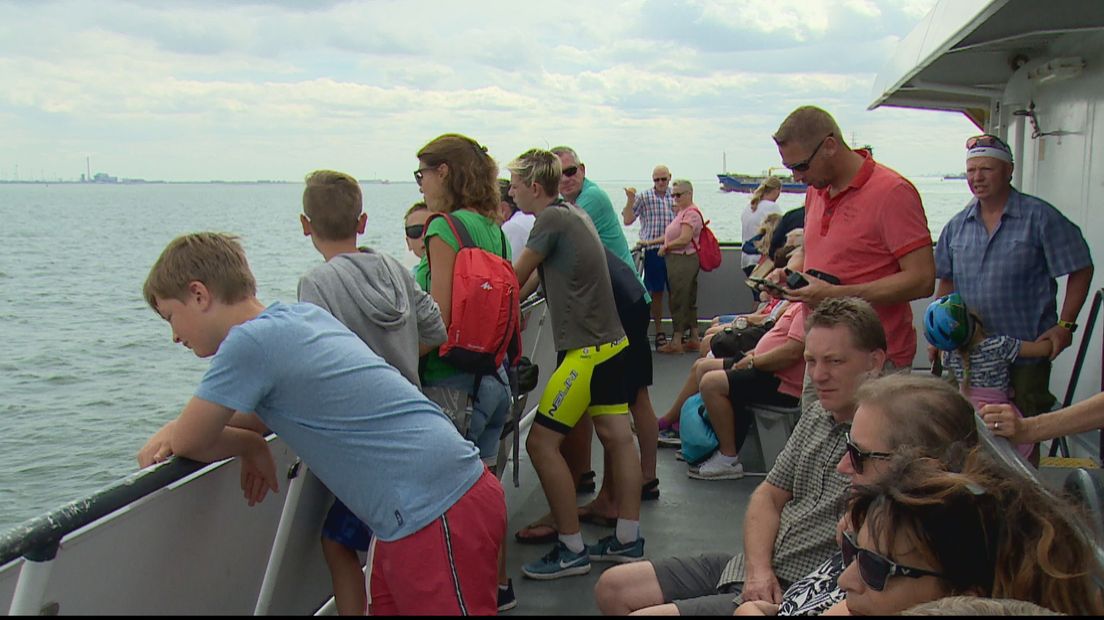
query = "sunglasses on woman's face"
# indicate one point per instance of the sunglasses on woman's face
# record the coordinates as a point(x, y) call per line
point(875, 569)
point(858, 456)
point(415, 231)
point(419, 174)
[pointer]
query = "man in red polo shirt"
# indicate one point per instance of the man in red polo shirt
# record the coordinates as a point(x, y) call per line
point(864, 224)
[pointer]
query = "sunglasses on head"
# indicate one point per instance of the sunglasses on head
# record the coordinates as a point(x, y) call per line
point(415, 231)
point(876, 569)
point(858, 456)
point(661, 179)
point(987, 140)
point(570, 171)
point(804, 165)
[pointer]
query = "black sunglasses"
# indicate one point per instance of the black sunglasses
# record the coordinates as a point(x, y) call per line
point(660, 179)
point(415, 231)
point(570, 171)
point(875, 569)
point(858, 455)
point(803, 166)
point(677, 194)
point(419, 174)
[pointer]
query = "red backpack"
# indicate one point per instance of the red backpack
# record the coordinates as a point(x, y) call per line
point(707, 247)
point(486, 317)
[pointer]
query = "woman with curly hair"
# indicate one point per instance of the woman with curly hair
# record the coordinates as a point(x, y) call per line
point(459, 178)
point(923, 533)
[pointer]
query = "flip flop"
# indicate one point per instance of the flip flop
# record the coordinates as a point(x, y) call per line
point(660, 340)
point(691, 346)
point(650, 490)
point(526, 534)
point(670, 348)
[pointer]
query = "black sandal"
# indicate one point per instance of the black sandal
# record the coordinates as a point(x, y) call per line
point(586, 482)
point(660, 340)
point(650, 490)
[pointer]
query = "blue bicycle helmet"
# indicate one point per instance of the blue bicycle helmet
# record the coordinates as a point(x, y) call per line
point(948, 326)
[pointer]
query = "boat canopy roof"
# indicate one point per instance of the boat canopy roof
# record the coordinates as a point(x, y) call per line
point(964, 52)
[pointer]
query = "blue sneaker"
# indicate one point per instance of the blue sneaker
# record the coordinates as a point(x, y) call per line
point(609, 549)
point(559, 562)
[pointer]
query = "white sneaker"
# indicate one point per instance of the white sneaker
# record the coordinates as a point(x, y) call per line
point(716, 469)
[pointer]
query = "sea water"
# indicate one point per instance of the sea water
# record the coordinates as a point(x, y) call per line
point(88, 371)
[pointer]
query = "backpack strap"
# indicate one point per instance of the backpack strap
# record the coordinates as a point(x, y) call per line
point(704, 224)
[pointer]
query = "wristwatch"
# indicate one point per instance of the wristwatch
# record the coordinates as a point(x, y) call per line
point(1068, 325)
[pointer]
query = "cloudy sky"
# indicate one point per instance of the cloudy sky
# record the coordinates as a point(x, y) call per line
point(221, 89)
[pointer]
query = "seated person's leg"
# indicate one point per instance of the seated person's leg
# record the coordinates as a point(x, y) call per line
point(690, 386)
point(650, 588)
point(714, 392)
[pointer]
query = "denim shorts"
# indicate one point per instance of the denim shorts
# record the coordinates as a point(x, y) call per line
point(489, 412)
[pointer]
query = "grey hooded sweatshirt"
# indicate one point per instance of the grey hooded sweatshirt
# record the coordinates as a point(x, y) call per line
point(377, 298)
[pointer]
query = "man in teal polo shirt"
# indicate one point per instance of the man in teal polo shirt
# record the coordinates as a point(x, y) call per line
point(584, 193)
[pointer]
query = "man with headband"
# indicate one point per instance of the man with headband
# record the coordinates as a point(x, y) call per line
point(1003, 254)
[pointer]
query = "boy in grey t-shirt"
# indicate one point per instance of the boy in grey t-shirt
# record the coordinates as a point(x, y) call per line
point(564, 246)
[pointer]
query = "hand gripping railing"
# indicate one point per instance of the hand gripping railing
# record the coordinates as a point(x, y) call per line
point(1060, 443)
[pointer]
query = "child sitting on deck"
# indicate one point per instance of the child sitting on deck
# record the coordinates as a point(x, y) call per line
point(981, 364)
point(368, 433)
point(377, 298)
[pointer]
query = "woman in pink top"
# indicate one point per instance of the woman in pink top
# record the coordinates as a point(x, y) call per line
point(679, 250)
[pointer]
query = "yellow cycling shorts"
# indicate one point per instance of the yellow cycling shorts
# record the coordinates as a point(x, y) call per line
point(588, 380)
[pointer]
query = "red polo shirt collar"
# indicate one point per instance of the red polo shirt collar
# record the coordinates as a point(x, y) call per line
point(830, 203)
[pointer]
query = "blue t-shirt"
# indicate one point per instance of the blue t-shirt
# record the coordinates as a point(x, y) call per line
point(373, 438)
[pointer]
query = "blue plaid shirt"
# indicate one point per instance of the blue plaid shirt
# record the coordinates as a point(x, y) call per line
point(1009, 279)
point(655, 212)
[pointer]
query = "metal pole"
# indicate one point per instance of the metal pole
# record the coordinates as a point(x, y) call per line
point(1018, 154)
point(296, 475)
point(34, 576)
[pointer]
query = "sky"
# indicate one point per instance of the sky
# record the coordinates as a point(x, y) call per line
point(246, 90)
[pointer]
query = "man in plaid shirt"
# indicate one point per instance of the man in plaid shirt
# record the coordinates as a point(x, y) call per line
point(1003, 254)
point(790, 523)
point(655, 210)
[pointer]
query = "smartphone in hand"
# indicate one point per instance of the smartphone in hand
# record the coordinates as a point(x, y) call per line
point(761, 284)
point(795, 280)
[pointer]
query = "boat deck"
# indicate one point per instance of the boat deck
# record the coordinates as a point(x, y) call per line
point(690, 516)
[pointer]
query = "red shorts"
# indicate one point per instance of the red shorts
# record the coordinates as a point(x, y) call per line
point(449, 567)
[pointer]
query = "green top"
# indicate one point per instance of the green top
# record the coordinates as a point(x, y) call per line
point(596, 202)
point(486, 234)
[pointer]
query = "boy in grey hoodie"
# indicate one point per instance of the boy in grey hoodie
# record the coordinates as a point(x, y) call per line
point(375, 297)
